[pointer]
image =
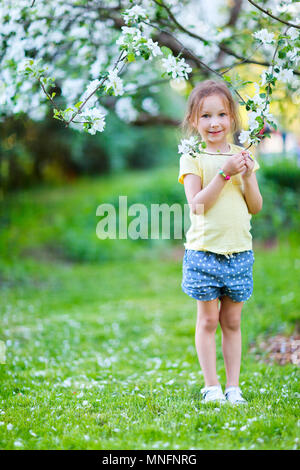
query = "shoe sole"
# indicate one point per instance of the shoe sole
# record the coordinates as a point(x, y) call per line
point(221, 402)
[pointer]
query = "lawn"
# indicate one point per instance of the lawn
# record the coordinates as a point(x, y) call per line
point(100, 337)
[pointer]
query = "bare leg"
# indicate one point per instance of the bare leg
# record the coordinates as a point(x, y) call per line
point(230, 320)
point(207, 322)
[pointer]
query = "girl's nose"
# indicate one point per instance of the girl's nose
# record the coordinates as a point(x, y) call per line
point(214, 121)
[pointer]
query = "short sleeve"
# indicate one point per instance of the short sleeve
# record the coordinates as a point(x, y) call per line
point(188, 164)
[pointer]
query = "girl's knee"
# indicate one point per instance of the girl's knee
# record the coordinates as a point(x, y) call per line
point(208, 323)
point(208, 316)
point(232, 323)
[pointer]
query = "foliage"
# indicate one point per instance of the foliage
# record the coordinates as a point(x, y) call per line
point(285, 173)
point(68, 215)
point(38, 43)
point(34, 153)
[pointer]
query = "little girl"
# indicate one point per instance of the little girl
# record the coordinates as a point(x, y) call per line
point(222, 191)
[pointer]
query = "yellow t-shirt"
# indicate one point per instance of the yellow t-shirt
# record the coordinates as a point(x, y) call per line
point(225, 227)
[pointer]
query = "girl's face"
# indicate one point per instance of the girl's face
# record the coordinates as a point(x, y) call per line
point(214, 121)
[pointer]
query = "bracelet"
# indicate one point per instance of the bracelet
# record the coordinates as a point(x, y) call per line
point(227, 177)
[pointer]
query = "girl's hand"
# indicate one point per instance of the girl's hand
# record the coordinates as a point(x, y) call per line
point(235, 164)
point(249, 165)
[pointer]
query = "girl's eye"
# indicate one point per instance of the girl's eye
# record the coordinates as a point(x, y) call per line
point(221, 114)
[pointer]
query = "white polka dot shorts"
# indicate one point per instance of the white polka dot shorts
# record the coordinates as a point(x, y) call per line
point(208, 275)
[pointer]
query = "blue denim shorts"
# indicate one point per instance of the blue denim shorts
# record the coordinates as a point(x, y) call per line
point(208, 275)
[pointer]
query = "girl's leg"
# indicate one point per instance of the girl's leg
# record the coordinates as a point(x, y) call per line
point(230, 321)
point(207, 322)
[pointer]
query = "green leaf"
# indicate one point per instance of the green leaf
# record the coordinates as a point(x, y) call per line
point(166, 51)
point(130, 57)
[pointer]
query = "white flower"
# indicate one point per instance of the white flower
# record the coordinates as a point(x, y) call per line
point(154, 47)
point(293, 34)
point(135, 34)
point(244, 136)
point(97, 117)
point(178, 68)
point(9, 427)
point(264, 36)
point(18, 443)
point(135, 13)
point(149, 105)
point(253, 124)
point(89, 90)
point(187, 145)
point(114, 82)
point(293, 55)
point(92, 87)
point(170, 382)
point(125, 110)
point(285, 75)
point(2, 92)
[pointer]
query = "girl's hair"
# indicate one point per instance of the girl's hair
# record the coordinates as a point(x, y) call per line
point(201, 91)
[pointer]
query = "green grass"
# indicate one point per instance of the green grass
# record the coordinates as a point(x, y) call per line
point(100, 355)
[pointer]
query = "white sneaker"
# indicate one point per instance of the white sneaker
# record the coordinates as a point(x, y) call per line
point(213, 393)
point(234, 396)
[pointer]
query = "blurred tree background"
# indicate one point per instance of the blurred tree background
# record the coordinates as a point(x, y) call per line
point(37, 150)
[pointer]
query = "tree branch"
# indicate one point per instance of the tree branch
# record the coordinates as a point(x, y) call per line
point(272, 16)
point(234, 13)
point(120, 58)
point(149, 120)
point(196, 59)
point(196, 36)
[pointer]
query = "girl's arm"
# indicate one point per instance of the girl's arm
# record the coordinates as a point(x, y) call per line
point(200, 200)
point(252, 194)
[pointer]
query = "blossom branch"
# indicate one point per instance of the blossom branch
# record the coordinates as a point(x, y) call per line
point(272, 70)
point(272, 16)
point(196, 36)
point(47, 94)
point(120, 58)
point(242, 61)
point(196, 58)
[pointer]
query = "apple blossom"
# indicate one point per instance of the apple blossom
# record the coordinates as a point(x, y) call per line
point(264, 36)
